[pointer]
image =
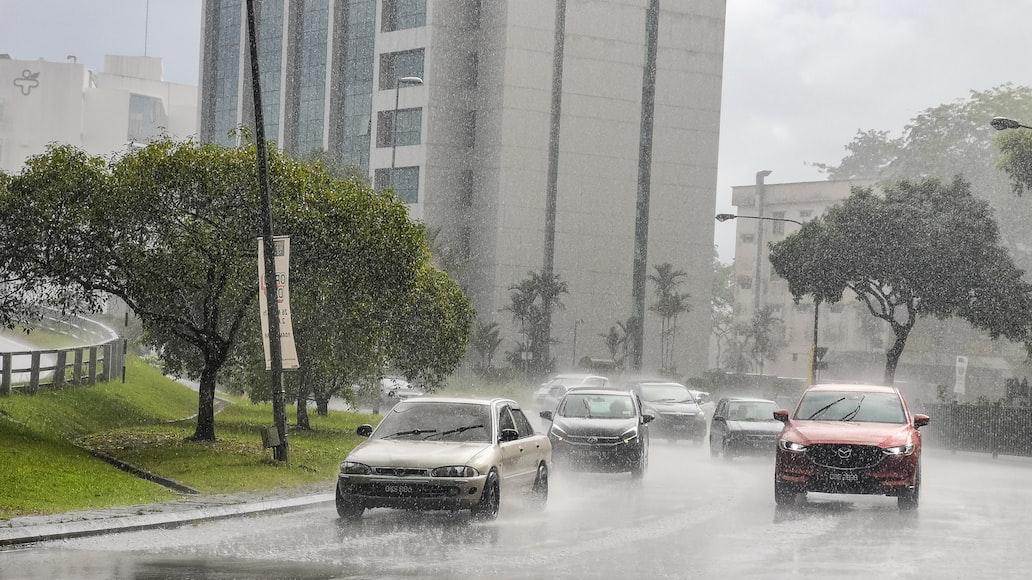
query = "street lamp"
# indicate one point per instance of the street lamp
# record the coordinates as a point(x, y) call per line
point(394, 124)
point(1001, 123)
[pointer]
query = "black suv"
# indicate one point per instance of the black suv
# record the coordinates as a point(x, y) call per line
point(677, 411)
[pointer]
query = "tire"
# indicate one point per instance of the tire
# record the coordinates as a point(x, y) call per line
point(713, 451)
point(347, 508)
point(910, 498)
point(490, 499)
point(727, 452)
point(784, 495)
point(539, 493)
point(639, 467)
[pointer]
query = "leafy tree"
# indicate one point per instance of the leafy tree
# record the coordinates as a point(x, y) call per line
point(171, 229)
point(922, 249)
point(529, 297)
point(764, 336)
point(722, 305)
point(670, 303)
point(617, 341)
point(485, 343)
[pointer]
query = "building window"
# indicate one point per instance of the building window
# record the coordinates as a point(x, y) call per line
point(805, 213)
point(471, 129)
point(396, 65)
point(402, 14)
point(410, 122)
point(778, 227)
point(147, 117)
point(474, 69)
point(406, 182)
point(748, 238)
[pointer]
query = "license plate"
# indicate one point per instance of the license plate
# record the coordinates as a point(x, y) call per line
point(399, 489)
point(843, 477)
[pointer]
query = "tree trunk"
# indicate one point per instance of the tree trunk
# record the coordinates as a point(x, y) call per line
point(892, 357)
point(205, 430)
point(302, 412)
point(322, 406)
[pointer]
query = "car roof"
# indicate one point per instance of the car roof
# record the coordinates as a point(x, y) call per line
point(468, 400)
point(596, 391)
point(748, 400)
point(853, 388)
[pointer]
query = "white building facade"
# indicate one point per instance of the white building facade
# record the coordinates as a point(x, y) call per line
point(469, 147)
point(44, 102)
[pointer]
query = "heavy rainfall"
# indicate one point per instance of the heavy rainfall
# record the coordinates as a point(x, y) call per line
point(560, 288)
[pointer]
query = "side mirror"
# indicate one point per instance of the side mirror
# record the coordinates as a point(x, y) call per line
point(781, 415)
point(546, 415)
point(647, 417)
point(921, 420)
point(365, 430)
point(509, 435)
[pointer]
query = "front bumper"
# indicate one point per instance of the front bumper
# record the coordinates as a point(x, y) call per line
point(679, 426)
point(429, 493)
point(740, 443)
point(891, 475)
point(601, 456)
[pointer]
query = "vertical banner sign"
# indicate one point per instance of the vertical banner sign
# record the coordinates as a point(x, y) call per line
point(961, 374)
point(282, 258)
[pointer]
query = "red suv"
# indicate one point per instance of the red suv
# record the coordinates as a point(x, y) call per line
point(849, 439)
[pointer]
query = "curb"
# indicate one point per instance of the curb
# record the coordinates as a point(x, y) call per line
point(30, 534)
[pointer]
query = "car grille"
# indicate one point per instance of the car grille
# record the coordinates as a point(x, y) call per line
point(412, 490)
point(678, 417)
point(840, 456)
point(592, 440)
point(402, 471)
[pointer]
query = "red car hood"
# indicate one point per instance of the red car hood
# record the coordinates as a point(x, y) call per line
point(880, 434)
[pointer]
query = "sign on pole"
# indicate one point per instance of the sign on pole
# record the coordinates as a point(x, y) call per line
point(961, 374)
point(282, 259)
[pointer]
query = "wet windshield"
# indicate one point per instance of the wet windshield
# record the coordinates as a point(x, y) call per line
point(436, 422)
point(751, 411)
point(666, 393)
point(615, 406)
point(851, 406)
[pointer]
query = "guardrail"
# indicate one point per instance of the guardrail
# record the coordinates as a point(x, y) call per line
point(992, 429)
point(101, 358)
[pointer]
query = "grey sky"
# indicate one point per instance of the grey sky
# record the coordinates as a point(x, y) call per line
point(800, 76)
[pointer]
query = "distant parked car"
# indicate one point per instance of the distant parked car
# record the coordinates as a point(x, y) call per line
point(547, 396)
point(676, 410)
point(744, 426)
point(850, 439)
point(384, 392)
point(600, 430)
point(435, 453)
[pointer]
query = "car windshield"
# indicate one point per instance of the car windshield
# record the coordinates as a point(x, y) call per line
point(436, 422)
point(666, 393)
point(862, 407)
point(751, 410)
point(615, 406)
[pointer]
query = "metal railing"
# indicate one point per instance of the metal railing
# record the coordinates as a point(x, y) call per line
point(994, 429)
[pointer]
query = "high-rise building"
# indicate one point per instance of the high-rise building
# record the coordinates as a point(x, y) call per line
point(467, 146)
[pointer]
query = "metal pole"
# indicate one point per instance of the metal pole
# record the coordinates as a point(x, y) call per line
point(641, 221)
point(279, 407)
point(760, 191)
point(548, 269)
point(812, 375)
point(394, 132)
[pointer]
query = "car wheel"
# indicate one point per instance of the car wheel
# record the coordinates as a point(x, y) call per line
point(909, 499)
point(784, 494)
point(348, 508)
point(539, 493)
point(726, 450)
point(490, 499)
point(713, 451)
point(639, 467)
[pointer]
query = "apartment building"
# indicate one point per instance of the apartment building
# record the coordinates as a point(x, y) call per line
point(448, 102)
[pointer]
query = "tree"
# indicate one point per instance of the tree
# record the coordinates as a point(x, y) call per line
point(171, 229)
point(722, 305)
point(670, 303)
point(617, 341)
point(921, 249)
point(485, 343)
point(529, 297)
point(764, 336)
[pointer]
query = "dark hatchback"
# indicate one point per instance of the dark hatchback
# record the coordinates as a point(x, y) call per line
point(744, 426)
point(599, 430)
point(677, 411)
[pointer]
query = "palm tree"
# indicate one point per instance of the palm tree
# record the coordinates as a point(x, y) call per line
point(485, 342)
point(670, 303)
point(529, 297)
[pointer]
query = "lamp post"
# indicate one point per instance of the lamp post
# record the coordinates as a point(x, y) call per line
point(1001, 123)
point(723, 217)
point(394, 123)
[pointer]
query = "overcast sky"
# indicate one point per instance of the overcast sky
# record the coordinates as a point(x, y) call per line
point(801, 77)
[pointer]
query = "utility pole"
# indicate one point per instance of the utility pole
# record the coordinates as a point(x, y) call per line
point(641, 217)
point(548, 268)
point(760, 187)
point(279, 407)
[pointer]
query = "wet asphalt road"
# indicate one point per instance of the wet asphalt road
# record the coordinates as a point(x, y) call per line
point(691, 517)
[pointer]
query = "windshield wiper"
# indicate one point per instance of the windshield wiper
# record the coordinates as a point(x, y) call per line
point(825, 408)
point(410, 432)
point(586, 406)
point(853, 413)
point(453, 431)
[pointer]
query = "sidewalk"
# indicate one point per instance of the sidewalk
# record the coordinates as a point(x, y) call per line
point(30, 529)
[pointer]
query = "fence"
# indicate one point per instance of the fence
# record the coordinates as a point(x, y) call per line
point(982, 428)
point(101, 359)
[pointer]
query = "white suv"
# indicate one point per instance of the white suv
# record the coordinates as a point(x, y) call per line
point(551, 391)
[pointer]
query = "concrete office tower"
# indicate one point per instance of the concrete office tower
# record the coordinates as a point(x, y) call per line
point(470, 144)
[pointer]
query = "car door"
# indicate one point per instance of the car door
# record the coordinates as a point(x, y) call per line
point(718, 424)
point(511, 465)
point(535, 446)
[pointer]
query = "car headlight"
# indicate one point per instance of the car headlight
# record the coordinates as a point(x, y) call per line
point(454, 471)
point(899, 450)
point(354, 468)
point(630, 435)
point(791, 446)
point(557, 433)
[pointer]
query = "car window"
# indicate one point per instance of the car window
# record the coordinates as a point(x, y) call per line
point(505, 420)
point(751, 411)
point(522, 423)
point(851, 406)
point(665, 393)
point(436, 422)
point(615, 406)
